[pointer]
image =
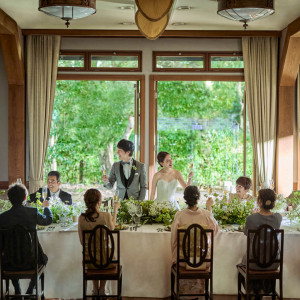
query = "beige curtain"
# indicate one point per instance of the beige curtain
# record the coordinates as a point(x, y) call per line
point(41, 69)
point(260, 66)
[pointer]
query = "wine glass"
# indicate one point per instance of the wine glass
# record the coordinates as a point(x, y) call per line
point(132, 212)
point(44, 192)
point(116, 195)
point(19, 181)
point(272, 184)
point(139, 213)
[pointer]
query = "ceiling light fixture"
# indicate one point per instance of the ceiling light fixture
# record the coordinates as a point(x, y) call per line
point(68, 9)
point(245, 10)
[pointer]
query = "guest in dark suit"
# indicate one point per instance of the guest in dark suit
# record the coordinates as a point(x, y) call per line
point(53, 190)
point(129, 174)
point(28, 217)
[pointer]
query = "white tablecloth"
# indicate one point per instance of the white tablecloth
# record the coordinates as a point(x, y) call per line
point(146, 261)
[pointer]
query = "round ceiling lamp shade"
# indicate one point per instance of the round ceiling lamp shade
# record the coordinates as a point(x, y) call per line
point(68, 9)
point(245, 10)
point(151, 29)
point(154, 10)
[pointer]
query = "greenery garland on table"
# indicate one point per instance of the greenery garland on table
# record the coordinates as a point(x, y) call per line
point(234, 212)
point(294, 200)
point(153, 212)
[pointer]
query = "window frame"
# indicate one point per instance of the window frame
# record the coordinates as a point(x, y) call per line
point(118, 53)
point(74, 69)
point(88, 62)
point(228, 70)
point(155, 54)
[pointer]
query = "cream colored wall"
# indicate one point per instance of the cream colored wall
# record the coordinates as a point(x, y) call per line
point(147, 46)
point(3, 121)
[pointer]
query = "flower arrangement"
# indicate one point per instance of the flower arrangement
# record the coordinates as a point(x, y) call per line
point(294, 200)
point(234, 212)
point(153, 212)
point(280, 204)
point(5, 205)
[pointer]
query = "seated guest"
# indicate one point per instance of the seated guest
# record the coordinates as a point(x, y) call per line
point(53, 189)
point(265, 201)
point(192, 215)
point(92, 217)
point(28, 217)
point(243, 185)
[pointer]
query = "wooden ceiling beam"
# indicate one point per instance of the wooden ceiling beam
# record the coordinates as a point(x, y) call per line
point(137, 34)
point(290, 58)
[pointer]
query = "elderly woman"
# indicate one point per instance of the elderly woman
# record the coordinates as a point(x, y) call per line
point(243, 185)
point(191, 215)
point(92, 217)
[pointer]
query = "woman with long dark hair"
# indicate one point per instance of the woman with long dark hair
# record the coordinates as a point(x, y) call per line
point(92, 217)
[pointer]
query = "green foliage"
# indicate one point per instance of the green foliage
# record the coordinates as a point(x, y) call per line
point(153, 212)
point(234, 212)
point(87, 117)
point(216, 150)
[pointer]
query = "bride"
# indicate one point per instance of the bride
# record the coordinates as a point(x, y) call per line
point(166, 180)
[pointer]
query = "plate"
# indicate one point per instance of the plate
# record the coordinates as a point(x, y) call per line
point(123, 227)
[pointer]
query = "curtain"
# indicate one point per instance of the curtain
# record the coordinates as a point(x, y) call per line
point(260, 68)
point(41, 69)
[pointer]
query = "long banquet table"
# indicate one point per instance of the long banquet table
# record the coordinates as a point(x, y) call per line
point(146, 261)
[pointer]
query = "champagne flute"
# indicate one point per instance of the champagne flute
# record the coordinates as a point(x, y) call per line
point(44, 192)
point(19, 181)
point(272, 184)
point(103, 170)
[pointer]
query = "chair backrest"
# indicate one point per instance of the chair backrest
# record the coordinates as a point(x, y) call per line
point(196, 246)
point(19, 249)
point(99, 247)
point(265, 247)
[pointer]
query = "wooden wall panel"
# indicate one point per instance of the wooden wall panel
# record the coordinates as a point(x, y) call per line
point(285, 139)
point(16, 133)
point(12, 53)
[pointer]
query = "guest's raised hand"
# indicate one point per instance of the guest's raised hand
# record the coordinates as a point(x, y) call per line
point(116, 205)
point(209, 203)
point(45, 203)
point(191, 175)
point(105, 178)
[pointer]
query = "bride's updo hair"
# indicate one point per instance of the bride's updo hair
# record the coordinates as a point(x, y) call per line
point(161, 156)
point(267, 198)
point(191, 195)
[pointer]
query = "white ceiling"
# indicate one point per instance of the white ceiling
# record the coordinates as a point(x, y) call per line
point(202, 16)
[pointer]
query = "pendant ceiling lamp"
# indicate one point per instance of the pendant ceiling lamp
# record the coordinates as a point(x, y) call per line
point(245, 10)
point(68, 9)
point(152, 17)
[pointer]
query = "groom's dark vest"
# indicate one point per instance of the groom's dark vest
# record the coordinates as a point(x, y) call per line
point(126, 181)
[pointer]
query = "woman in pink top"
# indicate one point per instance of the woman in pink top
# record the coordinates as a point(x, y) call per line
point(192, 215)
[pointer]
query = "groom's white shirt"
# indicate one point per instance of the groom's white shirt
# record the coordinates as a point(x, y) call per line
point(127, 169)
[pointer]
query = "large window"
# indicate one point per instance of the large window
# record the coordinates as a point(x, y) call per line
point(89, 118)
point(201, 124)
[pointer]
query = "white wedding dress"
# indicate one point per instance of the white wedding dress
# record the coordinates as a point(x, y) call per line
point(165, 192)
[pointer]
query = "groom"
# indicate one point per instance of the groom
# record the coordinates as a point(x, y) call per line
point(129, 174)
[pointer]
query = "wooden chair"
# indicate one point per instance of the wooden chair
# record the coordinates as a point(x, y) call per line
point(264, 249)
point(194, 259)
point(19, 259)
point(100, 245)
